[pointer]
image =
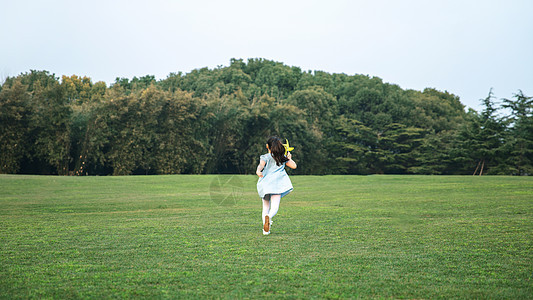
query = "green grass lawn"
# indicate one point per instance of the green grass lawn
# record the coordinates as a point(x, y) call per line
point(334, 237)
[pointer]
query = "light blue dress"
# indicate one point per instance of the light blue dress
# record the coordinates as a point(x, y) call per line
point(275, 179)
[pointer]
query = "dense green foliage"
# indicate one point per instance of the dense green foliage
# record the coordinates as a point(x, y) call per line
point(217, 121)
point(335, 237)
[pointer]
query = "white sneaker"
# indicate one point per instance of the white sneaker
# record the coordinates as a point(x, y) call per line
point(266, 232)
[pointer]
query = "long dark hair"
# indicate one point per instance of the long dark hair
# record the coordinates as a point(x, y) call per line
point(277, 150)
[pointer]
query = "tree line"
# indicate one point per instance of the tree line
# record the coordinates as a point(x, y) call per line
point(217, 121)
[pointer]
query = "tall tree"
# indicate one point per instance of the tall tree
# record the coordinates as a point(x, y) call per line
point(355, 147)
point(482, 139)
point(434, 155)
point(51, 120)
point(132, 123)
point(15, 117)
point(520, 139)
point(178, 148)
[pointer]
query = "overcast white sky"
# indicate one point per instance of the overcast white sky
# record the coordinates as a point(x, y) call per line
point(461, 46)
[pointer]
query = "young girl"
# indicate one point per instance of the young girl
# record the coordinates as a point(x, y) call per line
point(273, 182)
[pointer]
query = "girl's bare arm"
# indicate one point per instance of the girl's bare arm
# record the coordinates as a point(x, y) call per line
point(260, 168)
point(291, 164)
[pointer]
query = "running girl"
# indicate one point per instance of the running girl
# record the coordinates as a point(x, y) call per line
point(273, 183)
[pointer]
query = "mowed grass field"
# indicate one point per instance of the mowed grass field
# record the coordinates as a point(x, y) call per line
point(199, 236)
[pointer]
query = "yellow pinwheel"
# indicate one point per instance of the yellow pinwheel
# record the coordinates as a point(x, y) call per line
point(287, 147)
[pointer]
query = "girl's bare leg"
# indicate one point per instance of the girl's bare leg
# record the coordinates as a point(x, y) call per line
point(266, 209)
point(274, 205)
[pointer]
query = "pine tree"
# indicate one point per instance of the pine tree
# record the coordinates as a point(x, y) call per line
point(482, 139)
point(520, 139)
